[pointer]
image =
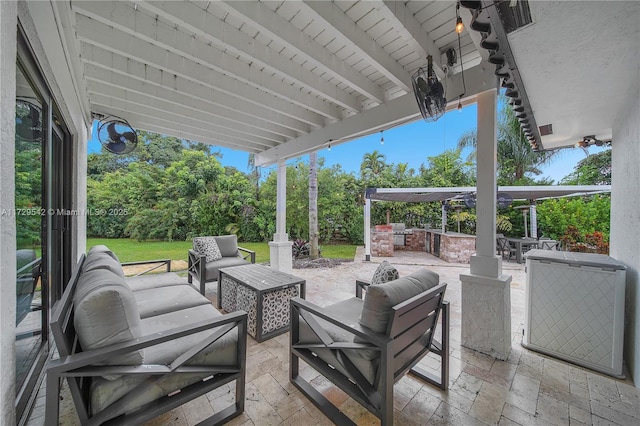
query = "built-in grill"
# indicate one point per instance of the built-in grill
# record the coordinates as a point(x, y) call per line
point(399, 233)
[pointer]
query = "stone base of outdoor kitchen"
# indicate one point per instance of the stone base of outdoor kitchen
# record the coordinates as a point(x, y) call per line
point(452, 247)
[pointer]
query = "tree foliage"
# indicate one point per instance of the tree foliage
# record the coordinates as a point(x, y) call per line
point(593, 170)
point(170, 189)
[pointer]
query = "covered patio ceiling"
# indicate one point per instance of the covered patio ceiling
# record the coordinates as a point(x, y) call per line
point(423, 195)
point(282, 78)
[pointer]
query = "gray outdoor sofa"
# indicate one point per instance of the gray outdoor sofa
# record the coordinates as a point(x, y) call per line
point(133, 348)
point(229, 254)
point(365, 346)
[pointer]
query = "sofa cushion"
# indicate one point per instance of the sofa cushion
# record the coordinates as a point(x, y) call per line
point(228, 245)
point(385, 272)
point(379, 299)
point(207, 246)
point(105, 312)
point(145, 282)
point(102, 260)
point(212, 267)
point(158, 301)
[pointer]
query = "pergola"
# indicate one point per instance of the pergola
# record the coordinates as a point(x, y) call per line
point(427, 195)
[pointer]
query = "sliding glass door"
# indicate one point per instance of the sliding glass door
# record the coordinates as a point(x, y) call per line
point(43, 157)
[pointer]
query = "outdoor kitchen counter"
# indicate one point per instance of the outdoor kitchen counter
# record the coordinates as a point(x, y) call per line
point(454, 247)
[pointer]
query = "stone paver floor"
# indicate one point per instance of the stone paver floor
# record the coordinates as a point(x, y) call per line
point(527, 389)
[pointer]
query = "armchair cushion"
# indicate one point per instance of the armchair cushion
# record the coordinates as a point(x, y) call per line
point(384, 273)
point(347, 311)
point(161, 300)
point(379, 299)
point(207, 246)
point(228, 245)
point(211, 273)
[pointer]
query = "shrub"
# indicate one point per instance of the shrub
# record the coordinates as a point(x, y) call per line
point(300, 248)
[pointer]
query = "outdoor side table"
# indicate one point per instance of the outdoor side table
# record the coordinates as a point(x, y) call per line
point(264, 293)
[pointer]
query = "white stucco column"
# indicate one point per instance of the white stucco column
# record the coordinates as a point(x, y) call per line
point(8, 43)
point(486, 297)
point(280, 247)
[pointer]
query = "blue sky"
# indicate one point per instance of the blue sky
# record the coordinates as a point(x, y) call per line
point(411, 143)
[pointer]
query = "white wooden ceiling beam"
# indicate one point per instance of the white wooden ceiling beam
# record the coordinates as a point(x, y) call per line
point(335, 20)
point(284, 33)
point(400, 17)
point(133, 112)
point(399, 110)
point(181, 98)
point(205, 25)
point(223, 58)
point(211, 63)
point(183, 112)
point(171, 63)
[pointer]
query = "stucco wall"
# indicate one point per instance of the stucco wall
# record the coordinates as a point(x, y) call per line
point(8, 20)
point(625, 218)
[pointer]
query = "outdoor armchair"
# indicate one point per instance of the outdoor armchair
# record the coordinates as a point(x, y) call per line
point(365, 346)
point(211, 253)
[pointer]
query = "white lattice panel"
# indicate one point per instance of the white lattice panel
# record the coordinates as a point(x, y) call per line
point(576, 313)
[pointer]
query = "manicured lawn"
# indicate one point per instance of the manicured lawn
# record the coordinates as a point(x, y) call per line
point(131, 250)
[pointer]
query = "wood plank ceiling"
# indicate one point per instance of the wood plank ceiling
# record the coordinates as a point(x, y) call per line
point(273, 78)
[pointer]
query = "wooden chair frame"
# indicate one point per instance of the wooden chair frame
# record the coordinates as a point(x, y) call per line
point(411, 320)
point(79, 366)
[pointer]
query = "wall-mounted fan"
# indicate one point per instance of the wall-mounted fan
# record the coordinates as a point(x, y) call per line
point(28, 119)
point(504, 200)
point(429, 92)
point(116, 135)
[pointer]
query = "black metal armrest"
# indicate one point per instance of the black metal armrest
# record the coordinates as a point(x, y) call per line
point(197, 268)
point(249, 253)
point(160, 262)
point(96, 356)
point(373, 338)
point(361, 285)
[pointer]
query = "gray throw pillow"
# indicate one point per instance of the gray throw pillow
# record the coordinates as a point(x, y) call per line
point(384, 273)
point(207, 246)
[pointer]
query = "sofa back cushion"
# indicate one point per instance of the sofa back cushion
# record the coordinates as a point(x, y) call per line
point(100, 248)
point(102, 260)
point(207, 246)
point(380, 299)
point(228, 245)
point(105, 312)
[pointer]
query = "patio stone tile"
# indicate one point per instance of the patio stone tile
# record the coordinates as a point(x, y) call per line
point(258, 408)
point(578, 376)
point(270, 389)
point(401, 418)
point(489, 403)
point(600, 387)
point(329, 391)
point(613, 415)
point(507, 422)
point(505, 369)
point(448, 415)
point(197, 410)
point(422, 407)
point(521, 417)
point(488, 376)
point(316, 414)
point(564, 396)
point(524, 393)
point(467, 386)
point(300, 417)
point(580, 415)
point(174, 417)
point(629, 394)
point(358, 414)
point(552, 410)
point(408, 386)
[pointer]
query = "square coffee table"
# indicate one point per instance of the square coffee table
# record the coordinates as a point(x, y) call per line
point(261, 291)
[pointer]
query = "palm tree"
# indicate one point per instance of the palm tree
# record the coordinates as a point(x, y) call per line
point(374, 162)
point(516, 158)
